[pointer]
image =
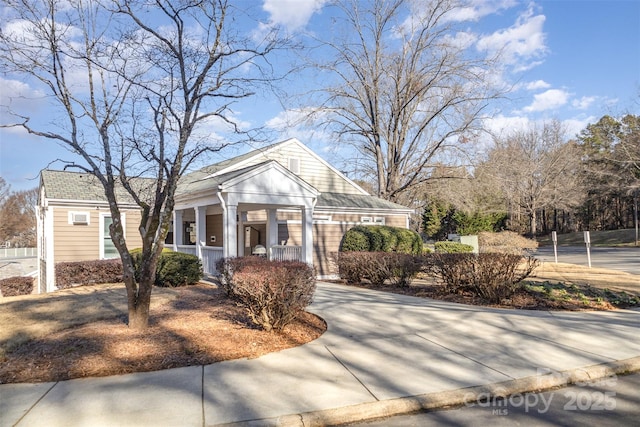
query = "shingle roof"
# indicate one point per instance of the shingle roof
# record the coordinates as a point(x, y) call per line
point(65, 185)
point(340, 200)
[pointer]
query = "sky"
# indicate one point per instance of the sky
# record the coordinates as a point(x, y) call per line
point(571, 60)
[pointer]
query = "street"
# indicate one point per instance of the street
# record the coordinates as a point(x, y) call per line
point(622, 259)
point(613, 401)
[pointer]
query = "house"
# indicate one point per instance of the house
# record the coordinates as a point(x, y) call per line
point(282, 200)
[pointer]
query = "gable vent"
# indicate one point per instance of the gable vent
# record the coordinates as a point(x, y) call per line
point(294, 165)
point(80, 218)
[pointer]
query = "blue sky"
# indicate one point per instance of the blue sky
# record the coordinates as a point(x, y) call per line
point(571, 60)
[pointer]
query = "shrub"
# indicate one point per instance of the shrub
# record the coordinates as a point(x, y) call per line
point(492, 277)
point(228, 266)
point(452, 248)
point(69, 274)
point(381, 238)
point(14, 286)
point(274, 293)
point(378, 267)
point(174, 268)
point(506, 242)
point(178, 269)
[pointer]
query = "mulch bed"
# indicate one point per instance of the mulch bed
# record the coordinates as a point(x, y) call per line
point(201, 326)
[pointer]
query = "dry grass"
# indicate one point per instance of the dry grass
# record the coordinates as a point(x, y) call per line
point(83, 333)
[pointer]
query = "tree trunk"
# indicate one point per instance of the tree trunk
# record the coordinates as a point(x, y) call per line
point(139, 301)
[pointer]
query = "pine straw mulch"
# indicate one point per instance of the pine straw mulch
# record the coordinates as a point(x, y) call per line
point(200, 326)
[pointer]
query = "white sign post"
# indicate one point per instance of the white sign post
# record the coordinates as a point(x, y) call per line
point(554, 237)
point(587, 241)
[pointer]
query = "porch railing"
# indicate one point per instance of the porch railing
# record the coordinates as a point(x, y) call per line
point(187, 249)
point(211, 255)
point(286, 253)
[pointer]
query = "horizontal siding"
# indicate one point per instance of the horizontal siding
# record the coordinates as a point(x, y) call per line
point(311, 170)
point(82, 242)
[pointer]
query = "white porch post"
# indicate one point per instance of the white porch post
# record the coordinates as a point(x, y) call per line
point(241, 234)
point(307, 234)
point(177, 229)
point(272, 229)
point(230, 224)
point(201, 229)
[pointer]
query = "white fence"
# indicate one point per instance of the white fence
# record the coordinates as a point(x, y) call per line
point(18, 252)
point(187, 249)
point(286, 253)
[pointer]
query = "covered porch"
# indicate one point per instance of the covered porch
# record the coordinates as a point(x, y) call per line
point(236, 214)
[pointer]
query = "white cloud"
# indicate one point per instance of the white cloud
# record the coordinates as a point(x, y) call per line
point(521, 44)
point(584, 102)
point(474, 10)
point(301, 124)
point(548, 100)
point(292, 14)
point(538, 84)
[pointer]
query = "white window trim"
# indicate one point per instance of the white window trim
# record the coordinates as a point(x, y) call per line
point(103, 215)
point(376, 220)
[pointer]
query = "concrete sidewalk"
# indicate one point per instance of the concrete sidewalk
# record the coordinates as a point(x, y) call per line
point(383, 354)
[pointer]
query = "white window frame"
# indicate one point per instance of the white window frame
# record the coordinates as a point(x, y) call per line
point(103, 215)
point(376, 220)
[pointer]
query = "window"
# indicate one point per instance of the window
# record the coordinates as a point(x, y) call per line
point(294, 165)
point(107, 248)
point(378, 220)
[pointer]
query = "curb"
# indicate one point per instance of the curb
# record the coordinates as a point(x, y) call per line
point(430, 401)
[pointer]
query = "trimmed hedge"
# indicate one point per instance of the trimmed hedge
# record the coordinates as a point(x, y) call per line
point(18, 285)
point(174, 268)
point(378, 267)
point(452, 248)
point(77, 273)
point(381, 238)
point(274, 293)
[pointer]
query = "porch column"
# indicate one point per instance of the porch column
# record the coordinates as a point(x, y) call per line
point(272, 229)
point(177, 229)
point(307, 234)
point(230, 224)
point(201, 229)
point(241, 234)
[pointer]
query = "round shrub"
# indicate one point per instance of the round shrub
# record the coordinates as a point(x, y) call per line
point(178, 269)
point(173, 269)
point(381, 238)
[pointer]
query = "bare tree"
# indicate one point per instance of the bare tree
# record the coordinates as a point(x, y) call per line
point(134, 84)
point(537, 169)
point(408, 91)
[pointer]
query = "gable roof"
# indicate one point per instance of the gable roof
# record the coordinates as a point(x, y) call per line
point(85, 187)
point(82, 186)
point(247, 158)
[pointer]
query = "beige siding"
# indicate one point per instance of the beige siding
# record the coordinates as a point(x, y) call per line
point(327, 237)
point(312, 171)
point(82, 242)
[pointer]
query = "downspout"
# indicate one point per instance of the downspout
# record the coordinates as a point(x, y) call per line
point(224, 223)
